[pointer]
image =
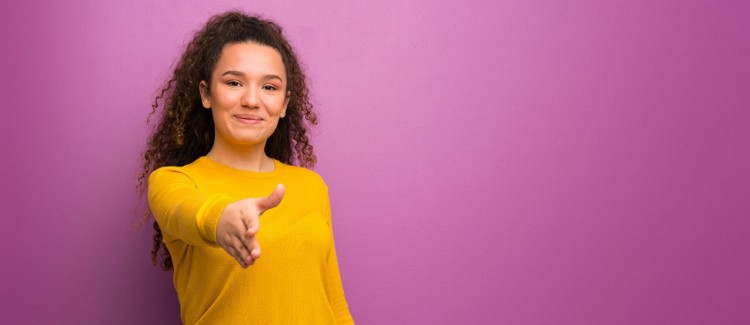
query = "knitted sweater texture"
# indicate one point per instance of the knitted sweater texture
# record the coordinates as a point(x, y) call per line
point(296, 280)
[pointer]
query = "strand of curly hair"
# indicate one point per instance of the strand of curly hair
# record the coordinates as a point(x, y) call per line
point(185, 130)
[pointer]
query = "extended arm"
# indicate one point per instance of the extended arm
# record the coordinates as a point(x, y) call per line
point(185, 213)
point(181, 210)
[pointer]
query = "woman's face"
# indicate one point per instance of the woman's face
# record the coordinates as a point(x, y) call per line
point(247, 94)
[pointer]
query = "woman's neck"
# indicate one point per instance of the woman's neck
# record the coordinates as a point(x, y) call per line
point(250, 158)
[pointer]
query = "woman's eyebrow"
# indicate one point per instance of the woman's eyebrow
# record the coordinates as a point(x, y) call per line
point(234, 73)
point(272, 76)
point(242, 74)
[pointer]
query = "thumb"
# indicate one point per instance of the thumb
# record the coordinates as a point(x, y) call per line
point(272, 200)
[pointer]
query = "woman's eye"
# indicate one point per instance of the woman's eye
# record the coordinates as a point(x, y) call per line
point(234, 83)
point(269, 87)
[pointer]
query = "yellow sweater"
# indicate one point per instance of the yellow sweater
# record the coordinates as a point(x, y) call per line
point(296, 280)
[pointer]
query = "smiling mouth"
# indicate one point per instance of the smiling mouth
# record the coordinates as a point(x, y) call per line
point(248, 119)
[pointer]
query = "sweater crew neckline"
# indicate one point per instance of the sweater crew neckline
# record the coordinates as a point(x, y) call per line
point(277, 166)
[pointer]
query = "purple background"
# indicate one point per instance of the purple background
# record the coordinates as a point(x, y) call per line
point(518, 162)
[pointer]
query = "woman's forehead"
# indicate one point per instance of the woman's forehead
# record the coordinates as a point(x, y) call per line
point(250, 58)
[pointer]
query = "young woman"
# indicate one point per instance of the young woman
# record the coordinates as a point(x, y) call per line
point(234, 119)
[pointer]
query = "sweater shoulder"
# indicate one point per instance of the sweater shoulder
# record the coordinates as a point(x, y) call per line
point(303, 174)
point(185, 170)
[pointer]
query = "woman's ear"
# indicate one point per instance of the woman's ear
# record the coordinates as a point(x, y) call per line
point(205, 98)
point(286, 103)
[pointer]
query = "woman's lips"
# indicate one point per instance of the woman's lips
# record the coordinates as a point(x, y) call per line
point(248, 119)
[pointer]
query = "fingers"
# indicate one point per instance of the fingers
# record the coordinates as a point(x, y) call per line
point(240, 242)
point(246, 245)
point(254, 249)
point(252, 225)
point(272, 200)
point(239, 253)
point(239, 225)
point(244, 251)
point(251, 247)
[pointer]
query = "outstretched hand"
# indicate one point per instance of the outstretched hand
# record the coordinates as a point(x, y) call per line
point(239, 224)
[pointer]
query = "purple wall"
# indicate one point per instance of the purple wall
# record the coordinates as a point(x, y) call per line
point(522, 162)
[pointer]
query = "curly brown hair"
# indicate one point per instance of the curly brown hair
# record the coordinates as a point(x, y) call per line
point(185, 131)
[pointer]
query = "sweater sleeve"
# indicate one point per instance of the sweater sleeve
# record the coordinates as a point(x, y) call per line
point(182, 211)
point(335, 288)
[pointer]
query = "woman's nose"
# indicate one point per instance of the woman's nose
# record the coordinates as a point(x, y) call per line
point(250, 98)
